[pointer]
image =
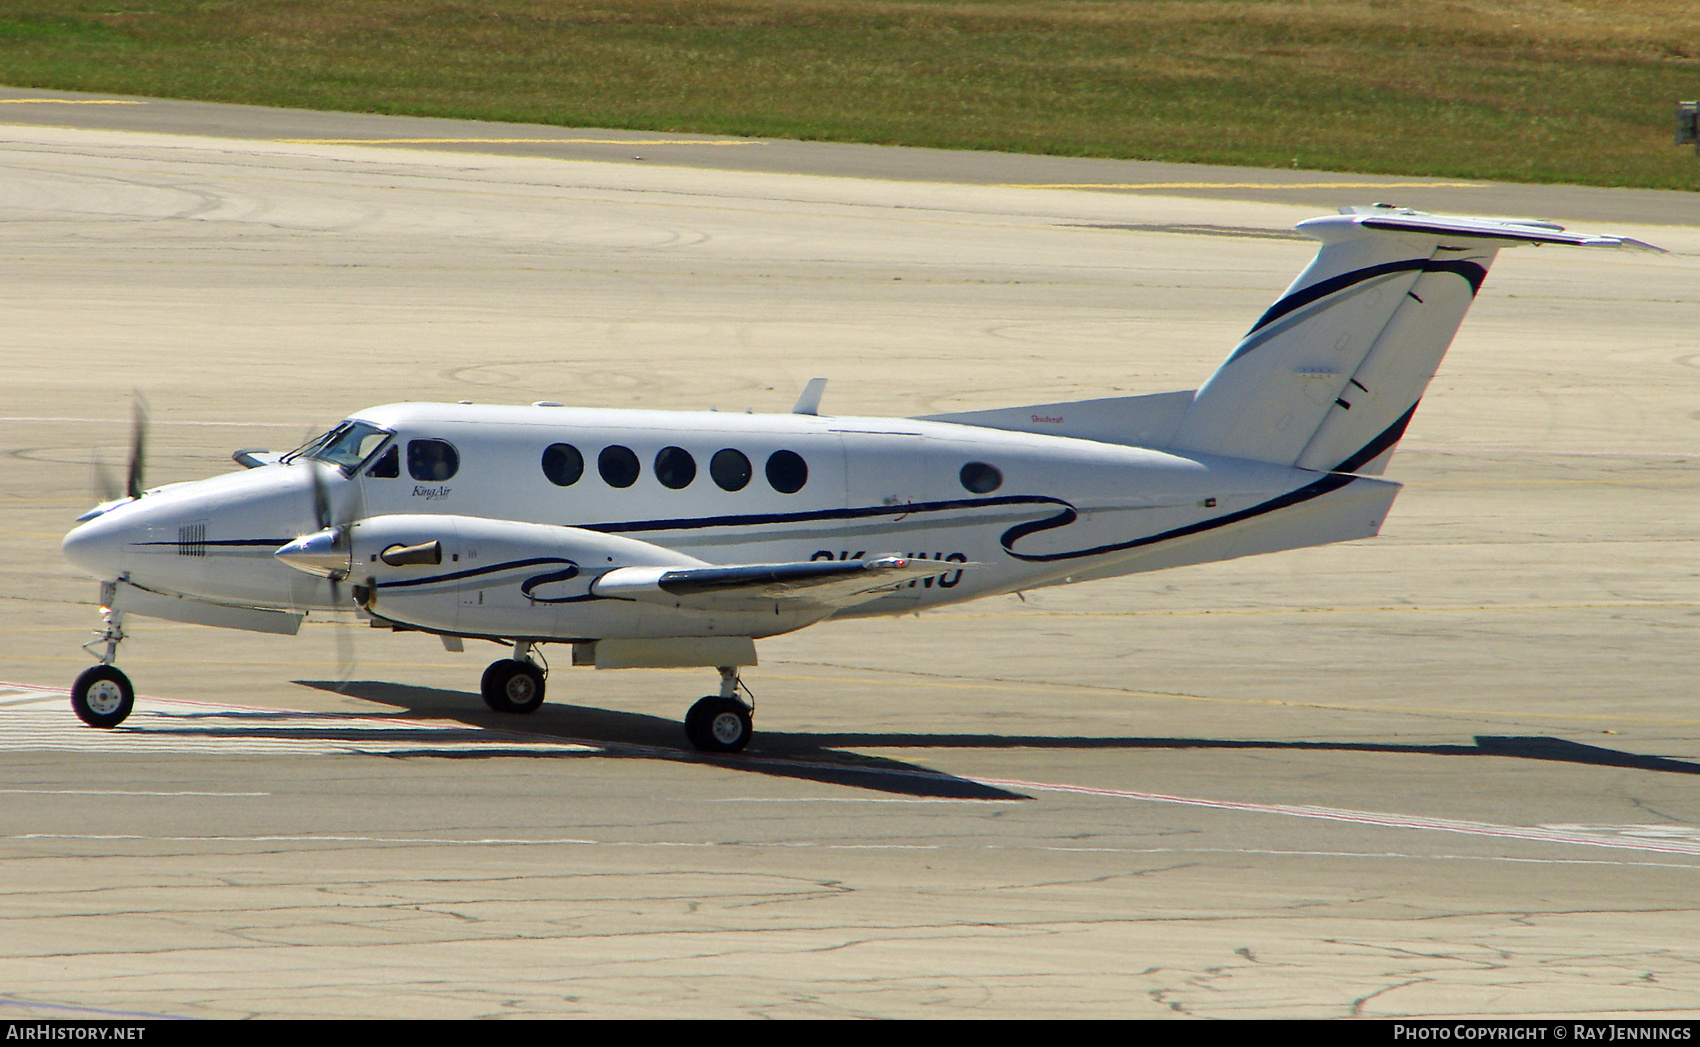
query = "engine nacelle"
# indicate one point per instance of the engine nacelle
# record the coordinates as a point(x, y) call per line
point(500, 578)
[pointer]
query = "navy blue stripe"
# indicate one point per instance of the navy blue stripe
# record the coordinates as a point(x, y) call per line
point(1331, 482)
point(271, 542)
point(1328, 483)
point(759, 519)
point(1472, 273)
point(455, 576)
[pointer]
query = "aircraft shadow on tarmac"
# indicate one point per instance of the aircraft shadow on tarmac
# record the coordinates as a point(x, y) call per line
point(638, 735)
point(824, 757)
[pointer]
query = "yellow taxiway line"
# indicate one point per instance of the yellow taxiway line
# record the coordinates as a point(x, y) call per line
point(1243, 185)
point(516, 141)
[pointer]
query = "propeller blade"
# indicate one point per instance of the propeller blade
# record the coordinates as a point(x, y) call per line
point(105, 487)
point(138, 448)
point(321, 497)
point(356, 507)
point(345, 660)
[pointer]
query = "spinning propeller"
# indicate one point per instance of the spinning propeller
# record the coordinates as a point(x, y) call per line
point(106, 489)
point(329, 550)
point(329, 553)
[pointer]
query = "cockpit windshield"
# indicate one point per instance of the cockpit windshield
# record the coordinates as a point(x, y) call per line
point(345, 447)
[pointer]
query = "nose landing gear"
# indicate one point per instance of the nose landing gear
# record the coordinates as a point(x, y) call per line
point(721, 723)
point(102, 695)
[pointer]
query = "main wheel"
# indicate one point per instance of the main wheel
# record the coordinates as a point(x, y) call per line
point(719, 725)
point(512, 686)
point(102, 696)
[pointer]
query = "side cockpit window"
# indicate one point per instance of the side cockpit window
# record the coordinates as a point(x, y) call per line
point(432, 460)
point(388, 465)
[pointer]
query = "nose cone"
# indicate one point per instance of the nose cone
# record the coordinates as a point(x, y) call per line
point(98, 546)
point(324, 553)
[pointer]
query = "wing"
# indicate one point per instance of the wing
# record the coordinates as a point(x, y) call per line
point(821, 583)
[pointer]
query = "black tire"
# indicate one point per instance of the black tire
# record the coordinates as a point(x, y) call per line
point(512, 686)
point(719, 725)
point(102, 696)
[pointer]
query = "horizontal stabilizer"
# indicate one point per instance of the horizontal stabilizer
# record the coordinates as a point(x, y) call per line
point(823, 583)
point(1504, 230)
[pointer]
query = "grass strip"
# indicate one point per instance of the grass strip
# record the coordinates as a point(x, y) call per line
point(1523, 90)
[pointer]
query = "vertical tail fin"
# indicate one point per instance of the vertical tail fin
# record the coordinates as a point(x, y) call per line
point(1330, 376)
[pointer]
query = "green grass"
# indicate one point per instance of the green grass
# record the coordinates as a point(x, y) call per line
point(1523, 90)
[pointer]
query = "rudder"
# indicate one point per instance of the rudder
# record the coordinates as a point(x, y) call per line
point(1331, 374)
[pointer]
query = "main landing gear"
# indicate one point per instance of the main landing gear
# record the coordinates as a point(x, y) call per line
point(721, 723)
point(514, 685)
point(102, 695)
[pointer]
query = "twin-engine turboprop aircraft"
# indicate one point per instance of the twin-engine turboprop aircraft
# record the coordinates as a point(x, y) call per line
point(650, 538)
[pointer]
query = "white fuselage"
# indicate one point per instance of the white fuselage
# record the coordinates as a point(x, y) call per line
point(1018, 510)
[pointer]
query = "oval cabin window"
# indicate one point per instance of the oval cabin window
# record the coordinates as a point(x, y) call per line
point(787, 471)
point(981, 478)
point(730, 469)
point(675, 467)
point(562, 464)
point(618, 465)
point(432, 461)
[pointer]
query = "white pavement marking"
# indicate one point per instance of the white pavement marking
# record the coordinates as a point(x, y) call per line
point(848, 799)
point(165, 725)
point(1672, 839)
point(118, 792)
point(153, 421)
point(795, 845)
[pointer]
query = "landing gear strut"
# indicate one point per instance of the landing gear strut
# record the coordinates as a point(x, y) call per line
point(514, 685)
point(721, 723)
point(102, 695)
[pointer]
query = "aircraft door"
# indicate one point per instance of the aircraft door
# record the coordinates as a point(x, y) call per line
point(886, 470)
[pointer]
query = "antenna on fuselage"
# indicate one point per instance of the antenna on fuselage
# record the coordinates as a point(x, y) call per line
point(809, 402)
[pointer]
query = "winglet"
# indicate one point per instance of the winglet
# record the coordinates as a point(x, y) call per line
point(809, 402)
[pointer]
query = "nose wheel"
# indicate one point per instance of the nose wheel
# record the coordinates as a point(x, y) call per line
point(721, 723)
point(102, 696)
